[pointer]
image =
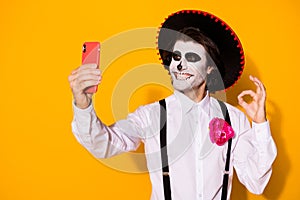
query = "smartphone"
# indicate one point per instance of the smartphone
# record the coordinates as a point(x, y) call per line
point(91, 55)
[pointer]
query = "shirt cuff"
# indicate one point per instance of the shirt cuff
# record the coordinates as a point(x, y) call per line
point(262, 131)
point(83, 116)
point(76, 109)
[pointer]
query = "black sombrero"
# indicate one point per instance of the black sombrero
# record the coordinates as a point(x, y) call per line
point(217, 30)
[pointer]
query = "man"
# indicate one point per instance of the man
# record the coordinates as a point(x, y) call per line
point(202, 55)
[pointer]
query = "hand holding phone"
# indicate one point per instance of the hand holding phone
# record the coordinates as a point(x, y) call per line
point(91, 55)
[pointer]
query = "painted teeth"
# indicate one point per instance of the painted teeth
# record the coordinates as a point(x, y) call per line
point(183, 76)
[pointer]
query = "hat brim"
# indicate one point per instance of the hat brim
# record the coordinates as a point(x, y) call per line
point(217, 30)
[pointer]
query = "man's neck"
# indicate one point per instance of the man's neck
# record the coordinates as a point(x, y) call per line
point(196, 94)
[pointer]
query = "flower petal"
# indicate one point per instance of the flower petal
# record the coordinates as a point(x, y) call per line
point(220, 131)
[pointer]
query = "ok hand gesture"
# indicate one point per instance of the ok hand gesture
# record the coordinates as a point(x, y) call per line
point(256, 109)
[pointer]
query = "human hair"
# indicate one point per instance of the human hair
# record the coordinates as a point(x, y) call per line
point(214, 80)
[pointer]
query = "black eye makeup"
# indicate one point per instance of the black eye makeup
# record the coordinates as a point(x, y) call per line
point(190, 56)
point(176, 55)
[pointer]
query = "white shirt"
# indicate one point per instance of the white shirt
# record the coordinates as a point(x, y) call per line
point(196, 165)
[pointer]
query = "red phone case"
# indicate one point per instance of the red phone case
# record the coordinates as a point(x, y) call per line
point(91, 55)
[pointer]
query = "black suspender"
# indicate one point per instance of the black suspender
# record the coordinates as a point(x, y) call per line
point(164, 154)
point(226, 174)
point(163, 147)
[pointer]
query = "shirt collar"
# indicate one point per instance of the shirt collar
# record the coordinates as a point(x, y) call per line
point(187, 103)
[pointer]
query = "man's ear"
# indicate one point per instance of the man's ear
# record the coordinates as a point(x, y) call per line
point(210, 69)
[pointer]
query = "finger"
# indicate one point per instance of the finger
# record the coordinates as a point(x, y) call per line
point(83, 72)
point(84, 67)
point(244, 93)
point(88, 77)
point(242, 102)
point(78, 83)
point(247, 92)
point(88, 71)
point(89, 66)
point(75, 70)
point(70, 77)
point(257, 81)
point(257, 84)
point(261, 86)
point(251, 77)
point(86, 84)
point(80, 86)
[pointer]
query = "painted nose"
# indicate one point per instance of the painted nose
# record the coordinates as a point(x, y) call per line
point(179, 66)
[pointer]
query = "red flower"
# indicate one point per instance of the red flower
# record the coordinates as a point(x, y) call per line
point(220, 131)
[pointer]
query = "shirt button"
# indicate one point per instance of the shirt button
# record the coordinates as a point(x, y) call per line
point(200, 195)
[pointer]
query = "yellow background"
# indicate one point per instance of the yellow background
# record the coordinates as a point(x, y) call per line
point(41, 44)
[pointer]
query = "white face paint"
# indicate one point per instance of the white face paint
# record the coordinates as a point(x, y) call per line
point(188, 67)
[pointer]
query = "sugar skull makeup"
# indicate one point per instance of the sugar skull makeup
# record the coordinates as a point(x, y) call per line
point(188, 67)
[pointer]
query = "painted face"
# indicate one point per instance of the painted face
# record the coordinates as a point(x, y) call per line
point(188, 67)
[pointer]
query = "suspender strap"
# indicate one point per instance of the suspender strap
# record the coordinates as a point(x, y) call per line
point(163, 147)
point(226, 174)
point(164, 154)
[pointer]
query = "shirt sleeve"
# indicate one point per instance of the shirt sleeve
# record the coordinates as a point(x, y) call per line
point(254, 155)
point(104, 141)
